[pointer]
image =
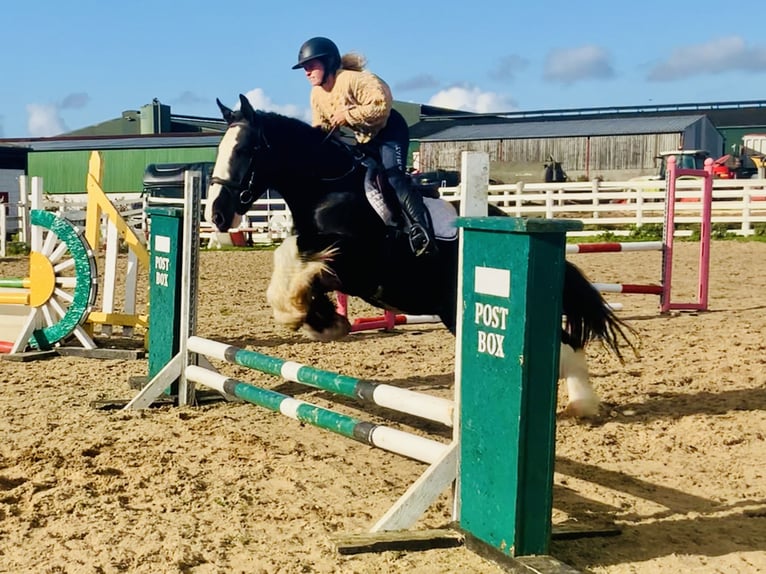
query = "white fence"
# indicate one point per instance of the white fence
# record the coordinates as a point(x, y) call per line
point(268, 221)
point(613, 206)
point(618, 207)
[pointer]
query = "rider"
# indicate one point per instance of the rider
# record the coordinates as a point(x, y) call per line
point(343, 93)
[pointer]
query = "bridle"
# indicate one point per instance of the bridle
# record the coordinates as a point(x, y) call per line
point(244, 186)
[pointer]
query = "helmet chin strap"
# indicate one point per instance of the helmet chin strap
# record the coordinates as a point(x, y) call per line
point(326, 77)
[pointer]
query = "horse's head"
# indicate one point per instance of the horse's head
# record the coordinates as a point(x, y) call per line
point(231, 191)
point(263, 150)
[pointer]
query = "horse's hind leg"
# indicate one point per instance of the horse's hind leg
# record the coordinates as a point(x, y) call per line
point(573, 367)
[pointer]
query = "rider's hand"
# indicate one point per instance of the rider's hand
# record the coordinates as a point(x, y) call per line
point(339, 118)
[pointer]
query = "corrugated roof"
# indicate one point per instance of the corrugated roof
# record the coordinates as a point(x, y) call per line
point(565, 128)
point(102, 143)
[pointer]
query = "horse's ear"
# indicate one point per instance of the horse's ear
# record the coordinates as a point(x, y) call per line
point(246, 107)
point(228, 114)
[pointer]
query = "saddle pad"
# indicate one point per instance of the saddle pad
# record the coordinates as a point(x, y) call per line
point(443, 214)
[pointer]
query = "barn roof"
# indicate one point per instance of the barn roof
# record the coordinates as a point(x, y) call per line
point(116, 142)
point(565, 128)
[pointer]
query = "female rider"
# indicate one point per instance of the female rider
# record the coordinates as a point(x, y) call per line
point(344, 94)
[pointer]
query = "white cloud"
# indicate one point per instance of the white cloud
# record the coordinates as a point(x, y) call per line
point(714, 57)
point(44, 120)
point(575, 64)
point(261, 101)
point(472, 99)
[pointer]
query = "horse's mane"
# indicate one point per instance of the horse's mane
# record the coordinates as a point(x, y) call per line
point(301, 138)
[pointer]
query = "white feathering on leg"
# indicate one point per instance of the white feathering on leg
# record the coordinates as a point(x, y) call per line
point(573, 367)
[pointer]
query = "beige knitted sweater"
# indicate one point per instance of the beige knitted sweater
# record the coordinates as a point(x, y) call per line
point(365, 98)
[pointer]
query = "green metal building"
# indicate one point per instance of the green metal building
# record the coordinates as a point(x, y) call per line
point(127, 145)
point(64, 164)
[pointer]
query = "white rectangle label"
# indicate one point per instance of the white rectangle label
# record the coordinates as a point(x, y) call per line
point(162, 243)
point(492, 281)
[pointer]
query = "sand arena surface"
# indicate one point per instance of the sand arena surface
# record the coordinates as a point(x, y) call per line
point(677, 458)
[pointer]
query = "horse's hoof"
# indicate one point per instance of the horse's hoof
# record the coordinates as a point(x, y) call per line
point(582, 408)
point(339, 329)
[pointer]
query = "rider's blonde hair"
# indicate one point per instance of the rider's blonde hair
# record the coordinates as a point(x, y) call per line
point(353, 61)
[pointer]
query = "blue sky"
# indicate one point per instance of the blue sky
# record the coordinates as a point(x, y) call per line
point(67, 65)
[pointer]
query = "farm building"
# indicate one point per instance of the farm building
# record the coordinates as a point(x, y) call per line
point(63, 163)
point(612, 143)
point(128, 144)
point(610, 148)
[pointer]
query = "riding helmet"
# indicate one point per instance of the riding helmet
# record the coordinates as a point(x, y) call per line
point(320, 48)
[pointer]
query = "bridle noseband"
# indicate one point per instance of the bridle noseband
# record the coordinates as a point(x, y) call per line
point(244, 187)
point(246, 194)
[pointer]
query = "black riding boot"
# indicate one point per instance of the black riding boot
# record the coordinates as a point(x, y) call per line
point(421, 232)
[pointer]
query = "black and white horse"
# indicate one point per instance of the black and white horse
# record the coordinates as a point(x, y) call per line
point(342, 244)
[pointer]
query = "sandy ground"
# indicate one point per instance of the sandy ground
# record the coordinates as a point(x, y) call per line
point(677, 457)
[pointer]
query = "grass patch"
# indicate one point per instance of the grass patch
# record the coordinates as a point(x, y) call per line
point(16, 248)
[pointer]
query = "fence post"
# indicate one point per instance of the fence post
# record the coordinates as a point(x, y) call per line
point(519, 198)
point(3, 228)
point(596, 186)
point(746, 199)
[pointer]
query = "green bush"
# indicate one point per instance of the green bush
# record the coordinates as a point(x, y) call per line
point(16, 248)
point(647, 232)
point(719, 231)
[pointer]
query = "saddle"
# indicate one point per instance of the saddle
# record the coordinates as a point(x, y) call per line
point(382, 198)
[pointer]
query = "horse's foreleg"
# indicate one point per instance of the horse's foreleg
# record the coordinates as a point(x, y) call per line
point(573, 367)
point(323, 323)
point(289, 291)
point(297, 297)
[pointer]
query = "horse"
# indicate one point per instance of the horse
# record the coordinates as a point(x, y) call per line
point(341, 243)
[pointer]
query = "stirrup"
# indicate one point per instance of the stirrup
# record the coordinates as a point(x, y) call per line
point(420, 241)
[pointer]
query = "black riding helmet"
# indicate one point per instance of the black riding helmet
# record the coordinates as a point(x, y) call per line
point(320, 48)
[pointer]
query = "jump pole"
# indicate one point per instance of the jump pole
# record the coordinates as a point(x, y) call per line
point(387, 396)
point(173, 371)
point(386, 322)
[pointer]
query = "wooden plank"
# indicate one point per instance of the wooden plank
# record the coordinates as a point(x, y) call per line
point(398, 540)
point(536, 564)
point(28, 356)
point(569, 531)
point(422, 493)
point(99, 353)
point(119, 404)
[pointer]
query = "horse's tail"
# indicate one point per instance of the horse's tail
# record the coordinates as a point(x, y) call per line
point(589, 317)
